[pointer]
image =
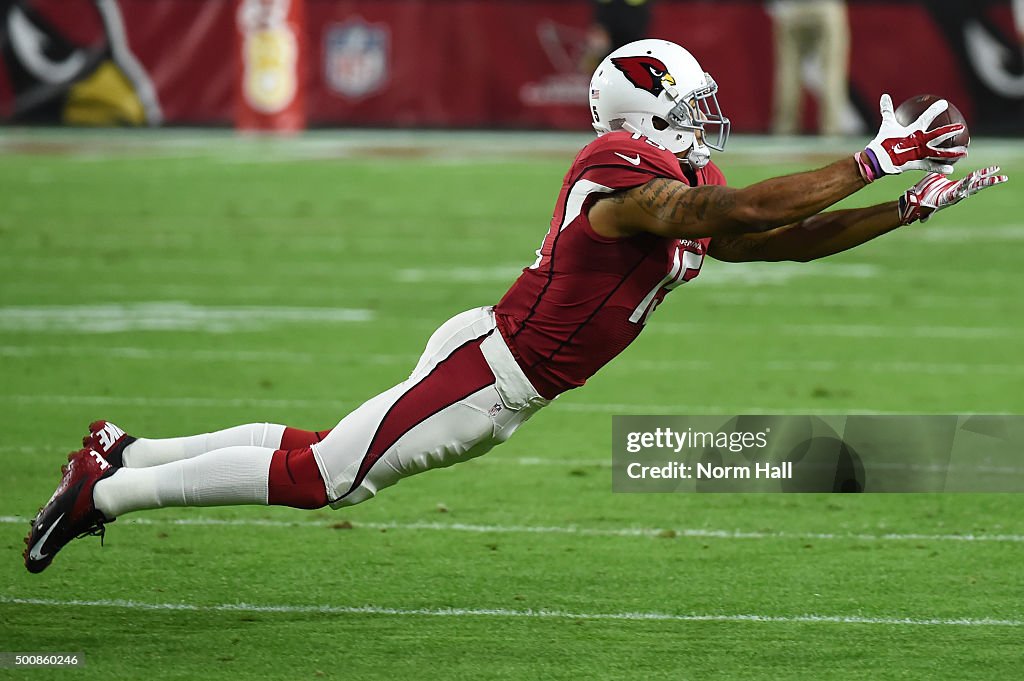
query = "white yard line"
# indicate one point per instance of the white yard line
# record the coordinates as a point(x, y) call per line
point(168, 316)
point(824, 365)
point(650, 532)
point(574, 407)
point(178, 316)
point(839, 330)
point(509, 613)
point(623, 364)
point(781, 298)
point(501, 460)
point(724, 275)
point(27, 449)
point(784, 299)
point(180, 402)
point(541, 461)
point(47, 448)
point(495, 273)
point(473, 145)
point(241, 356)
point(962, 234)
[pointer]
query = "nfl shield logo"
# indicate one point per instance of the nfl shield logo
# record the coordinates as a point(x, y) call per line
point(356, 58)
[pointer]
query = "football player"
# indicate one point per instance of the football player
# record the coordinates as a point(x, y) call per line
point(639, 210)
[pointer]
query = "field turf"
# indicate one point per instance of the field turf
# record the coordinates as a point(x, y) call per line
point(177, 284)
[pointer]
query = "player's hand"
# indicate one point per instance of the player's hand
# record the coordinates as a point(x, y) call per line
point(936, 192)
point(897, 148)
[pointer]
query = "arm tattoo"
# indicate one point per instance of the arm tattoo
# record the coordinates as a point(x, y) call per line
point(740, 248)
point(673, 202)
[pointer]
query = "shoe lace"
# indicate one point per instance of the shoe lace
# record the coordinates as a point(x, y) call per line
point(97, 529)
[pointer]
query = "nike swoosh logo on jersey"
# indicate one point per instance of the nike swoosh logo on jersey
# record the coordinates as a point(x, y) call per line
point(36, 552)
point(635, 161)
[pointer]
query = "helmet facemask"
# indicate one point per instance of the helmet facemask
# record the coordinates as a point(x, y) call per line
point(694, 112)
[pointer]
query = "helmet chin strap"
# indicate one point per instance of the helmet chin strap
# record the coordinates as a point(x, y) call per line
point(697, 157)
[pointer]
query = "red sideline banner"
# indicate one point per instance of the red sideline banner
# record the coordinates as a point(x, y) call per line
point(271, 38)
point(456, 63)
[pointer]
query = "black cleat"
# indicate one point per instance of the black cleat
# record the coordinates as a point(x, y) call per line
point(70, 512)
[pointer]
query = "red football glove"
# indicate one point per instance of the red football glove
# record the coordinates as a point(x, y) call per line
point(913, 147)
point(936, 192)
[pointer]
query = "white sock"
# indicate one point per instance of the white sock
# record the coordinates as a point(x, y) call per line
point(144, 452)
point(224, 477)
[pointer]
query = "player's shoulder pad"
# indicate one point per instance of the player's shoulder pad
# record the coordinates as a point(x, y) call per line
point(622, 160)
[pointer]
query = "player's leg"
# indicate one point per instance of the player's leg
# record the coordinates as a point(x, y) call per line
point(786, 100)
point(121, 449)
point(835, 60)
point(466, 395)
point(394, 429)
point(240, 470)
point(232, 476)
point(92, 492)
point(449, 434)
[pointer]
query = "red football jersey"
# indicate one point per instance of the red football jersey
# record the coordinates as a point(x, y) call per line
point(586, 297)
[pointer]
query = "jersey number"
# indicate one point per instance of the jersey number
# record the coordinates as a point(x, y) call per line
point(638, 136)
point(683, 270)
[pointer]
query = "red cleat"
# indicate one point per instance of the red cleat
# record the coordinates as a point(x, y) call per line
point(109, 440)
point(70, 512)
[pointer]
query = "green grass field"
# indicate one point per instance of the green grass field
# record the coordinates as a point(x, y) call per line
point(177, 284)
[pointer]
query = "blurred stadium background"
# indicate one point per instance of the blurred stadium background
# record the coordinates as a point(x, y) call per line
point(225, 211)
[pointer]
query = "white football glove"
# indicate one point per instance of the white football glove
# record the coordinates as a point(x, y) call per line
point(913, 147)
point(936, 192)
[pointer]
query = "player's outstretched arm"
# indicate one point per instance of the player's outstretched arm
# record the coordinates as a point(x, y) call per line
point(816, 237)
point(836, 231)
point(674, 209)
point(671, 208)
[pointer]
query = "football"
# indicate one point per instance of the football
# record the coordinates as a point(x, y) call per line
point(908, 111)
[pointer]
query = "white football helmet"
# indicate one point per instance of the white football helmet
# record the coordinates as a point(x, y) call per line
point(657, 89)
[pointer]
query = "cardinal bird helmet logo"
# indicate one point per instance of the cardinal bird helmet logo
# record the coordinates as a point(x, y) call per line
point(646, 73)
